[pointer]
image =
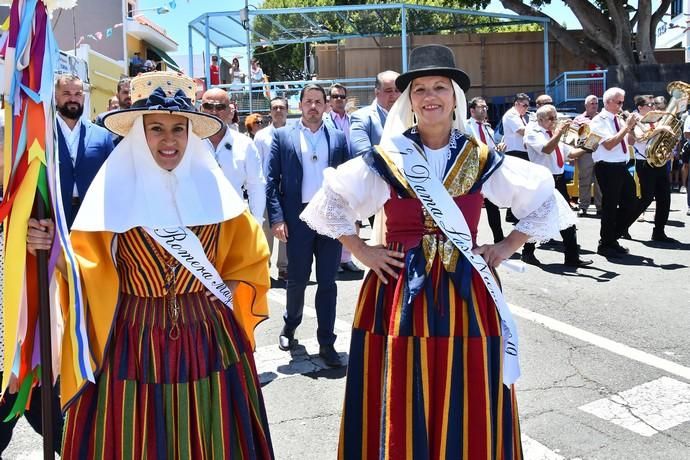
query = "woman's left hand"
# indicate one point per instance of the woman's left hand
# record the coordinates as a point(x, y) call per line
point(230, 284)
point(494, 254)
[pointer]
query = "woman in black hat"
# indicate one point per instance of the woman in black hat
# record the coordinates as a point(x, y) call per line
point(434, 349)
point(172, 275)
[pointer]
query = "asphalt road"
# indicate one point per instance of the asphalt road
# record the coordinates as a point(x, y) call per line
point(605, 360)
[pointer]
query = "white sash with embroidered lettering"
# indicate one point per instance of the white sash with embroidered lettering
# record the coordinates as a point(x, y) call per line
point(437, 201)
point(186, 248)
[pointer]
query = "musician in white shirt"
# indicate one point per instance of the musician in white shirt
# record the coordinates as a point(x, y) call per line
point(544, 147)
point(483, 133)
point(514, 127)
point(618, 201)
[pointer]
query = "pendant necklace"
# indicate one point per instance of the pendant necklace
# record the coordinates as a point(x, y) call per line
point(314, 156)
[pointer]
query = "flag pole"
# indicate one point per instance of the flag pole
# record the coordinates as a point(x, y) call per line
point(47, 419)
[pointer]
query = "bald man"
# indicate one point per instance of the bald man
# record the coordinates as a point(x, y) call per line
point(235, 153)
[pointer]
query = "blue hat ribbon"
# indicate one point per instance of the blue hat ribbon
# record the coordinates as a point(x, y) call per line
point(159, 101)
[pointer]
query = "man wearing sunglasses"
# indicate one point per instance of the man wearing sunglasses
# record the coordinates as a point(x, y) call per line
point(235, 153)
point(618, 200)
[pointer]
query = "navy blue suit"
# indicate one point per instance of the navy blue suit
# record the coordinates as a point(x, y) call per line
point(284, 204)
point(366, 127)
point(95, 144)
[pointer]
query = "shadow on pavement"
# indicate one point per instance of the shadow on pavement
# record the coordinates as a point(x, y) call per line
point(581, 272)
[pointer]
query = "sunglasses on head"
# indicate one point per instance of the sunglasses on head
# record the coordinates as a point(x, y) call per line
point(259, 122)
point(338, 96)
point(214, 106)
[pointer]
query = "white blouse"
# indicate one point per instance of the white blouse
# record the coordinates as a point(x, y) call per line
point(354, 192)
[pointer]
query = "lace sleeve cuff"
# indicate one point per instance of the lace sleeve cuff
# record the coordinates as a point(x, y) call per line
point(547, 220)
point(329, 214)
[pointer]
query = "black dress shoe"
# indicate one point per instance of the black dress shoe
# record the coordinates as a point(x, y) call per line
point(626, 236)
point(663, 238)
point(350, 266)
point(582, 213)
point(530, 258)
point(620, 249)
point(330, 356)
point(608, 251)
point(286, 340)
point(578, 262)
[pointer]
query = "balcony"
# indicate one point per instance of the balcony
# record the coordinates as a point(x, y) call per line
point(146, 30)
point(575, 86)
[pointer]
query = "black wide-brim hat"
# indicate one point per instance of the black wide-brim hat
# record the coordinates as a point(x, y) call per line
point(431, 60)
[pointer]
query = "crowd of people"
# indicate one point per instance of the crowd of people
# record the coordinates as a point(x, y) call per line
point(166, 200)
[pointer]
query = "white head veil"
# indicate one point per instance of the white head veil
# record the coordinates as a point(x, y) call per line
point(131, 190)
point(400, 117)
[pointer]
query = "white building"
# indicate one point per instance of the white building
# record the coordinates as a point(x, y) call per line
point(673, 31)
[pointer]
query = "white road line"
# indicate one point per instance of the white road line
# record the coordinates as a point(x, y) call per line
point(340, 325)
point(534, 450)
point(602, 342)
point(646, 409)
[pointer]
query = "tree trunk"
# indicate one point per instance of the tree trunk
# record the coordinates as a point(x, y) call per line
point(645, 50)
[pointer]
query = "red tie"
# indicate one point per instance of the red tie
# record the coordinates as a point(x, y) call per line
point(559, 155)
point(480, 127)
point(615, 123)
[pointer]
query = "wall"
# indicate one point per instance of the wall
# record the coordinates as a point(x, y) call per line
point(499, 64)
point(104, 74)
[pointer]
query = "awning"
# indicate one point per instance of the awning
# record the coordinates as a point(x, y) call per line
point(170, 62)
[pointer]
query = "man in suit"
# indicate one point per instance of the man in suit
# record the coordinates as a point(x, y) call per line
point(82, 146)
point(299, 155)
point(366, 124)
point(124, 101)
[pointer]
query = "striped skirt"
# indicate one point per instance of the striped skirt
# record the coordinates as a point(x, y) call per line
point(425, 370)
point(189, 395)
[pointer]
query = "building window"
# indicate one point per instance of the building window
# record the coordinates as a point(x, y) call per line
point(676, 8)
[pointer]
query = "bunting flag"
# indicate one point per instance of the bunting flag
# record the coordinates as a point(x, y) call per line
point(31, 170)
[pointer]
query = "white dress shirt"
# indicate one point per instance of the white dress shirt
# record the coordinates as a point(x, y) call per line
point(72, 141)
point(314, 159)
point(603, 125)
point(535, 140)
point(477, 127)
point(238, 158)
point(512, 121)
point(263, 141)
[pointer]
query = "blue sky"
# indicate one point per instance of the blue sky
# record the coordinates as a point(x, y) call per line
point(175, 22)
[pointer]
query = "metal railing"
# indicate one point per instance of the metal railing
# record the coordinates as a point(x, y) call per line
point(360, 91)
point(577, 85)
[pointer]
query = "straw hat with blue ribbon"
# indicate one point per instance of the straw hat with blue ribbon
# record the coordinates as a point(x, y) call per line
point(163, 92)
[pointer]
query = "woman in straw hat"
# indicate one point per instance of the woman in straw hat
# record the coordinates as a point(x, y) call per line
point(174, 275)
point(434, 349)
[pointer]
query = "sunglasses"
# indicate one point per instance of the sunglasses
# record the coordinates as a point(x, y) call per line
point(618, 102)
point(651, 104)
point(523, 104)
point(213, 106)
point(338, 96)
point(259, 122)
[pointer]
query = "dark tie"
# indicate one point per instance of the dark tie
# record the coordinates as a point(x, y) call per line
point(559, 155)
point(480, 127)
point(615, 123)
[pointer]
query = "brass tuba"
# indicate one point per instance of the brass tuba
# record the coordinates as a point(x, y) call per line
point(660, 147)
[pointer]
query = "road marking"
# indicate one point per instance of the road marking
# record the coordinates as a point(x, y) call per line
point(534, 450)
point(646, 409)
point(602, 342)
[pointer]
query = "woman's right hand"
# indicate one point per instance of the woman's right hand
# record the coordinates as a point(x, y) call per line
point(381, 260)
point(40, 235)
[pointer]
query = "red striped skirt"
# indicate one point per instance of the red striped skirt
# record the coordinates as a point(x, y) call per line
point(194, 396)
point(425, 370)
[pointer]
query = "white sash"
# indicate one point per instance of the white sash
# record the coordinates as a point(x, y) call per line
point(186, 248)
point(437, 201)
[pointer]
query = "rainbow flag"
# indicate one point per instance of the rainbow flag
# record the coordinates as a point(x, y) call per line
point(31, 170)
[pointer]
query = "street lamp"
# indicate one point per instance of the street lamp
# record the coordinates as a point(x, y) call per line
point(159, 10)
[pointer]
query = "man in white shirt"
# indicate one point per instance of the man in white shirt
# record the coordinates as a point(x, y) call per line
point(338, 118)
point(299, 155)
point(236, 153)
point(618, 201)
point(514, 127)
point(585, 163)
point(482, 132)
point(263, 141)
point(655, 183)
point(544, 147)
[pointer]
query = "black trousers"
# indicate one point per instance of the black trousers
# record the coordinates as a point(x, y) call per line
point(618, 200)
point(493, 215)
point(523, 156)
point(654, 185)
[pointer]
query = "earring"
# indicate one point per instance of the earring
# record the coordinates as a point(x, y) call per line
point(414, 118)
point(454, 117)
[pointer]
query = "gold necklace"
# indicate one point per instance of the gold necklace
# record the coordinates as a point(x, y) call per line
point(169, 284)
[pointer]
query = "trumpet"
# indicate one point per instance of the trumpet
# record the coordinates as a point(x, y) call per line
point(641, 133)
point(578, 136)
